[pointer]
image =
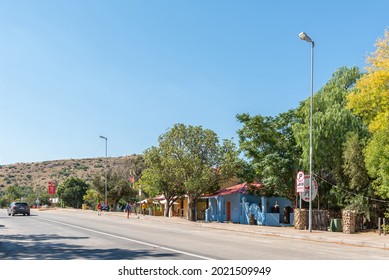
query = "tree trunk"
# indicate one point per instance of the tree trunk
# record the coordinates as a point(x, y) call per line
point(166, 210)
point(192, 208)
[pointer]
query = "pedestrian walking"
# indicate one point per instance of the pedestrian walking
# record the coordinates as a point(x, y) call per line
point(144, 207)
point(99, 209)
point(128, 209)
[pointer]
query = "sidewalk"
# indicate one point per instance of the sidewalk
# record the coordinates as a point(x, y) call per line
point(361, 239)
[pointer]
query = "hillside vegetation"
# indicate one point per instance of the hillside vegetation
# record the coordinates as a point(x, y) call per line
point(39, 174)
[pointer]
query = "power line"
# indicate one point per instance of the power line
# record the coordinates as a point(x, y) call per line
point(369, 198)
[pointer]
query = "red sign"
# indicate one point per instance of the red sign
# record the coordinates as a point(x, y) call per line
point(51, 188)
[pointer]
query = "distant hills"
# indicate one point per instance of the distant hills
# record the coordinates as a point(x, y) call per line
point(39, 174)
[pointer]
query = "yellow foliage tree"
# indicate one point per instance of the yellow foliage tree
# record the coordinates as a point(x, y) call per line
point(370, 99)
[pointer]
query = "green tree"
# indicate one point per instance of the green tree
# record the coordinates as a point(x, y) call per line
point(41, 194)
point(118, 187)
point(377, 162)
point(189, 160)
point(25, 193)
point(160, 176)
point(92, 197)
point(359, 188)
point(269, 145)
point(19, 193)
point(370, 100)
point(72, 191)
point(332, 122)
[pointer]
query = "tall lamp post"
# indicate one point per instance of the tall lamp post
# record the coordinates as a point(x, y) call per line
point(303, 36)
point(106, 173)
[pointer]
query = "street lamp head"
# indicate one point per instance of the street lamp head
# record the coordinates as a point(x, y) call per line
point(305, 37)
point(103, 137)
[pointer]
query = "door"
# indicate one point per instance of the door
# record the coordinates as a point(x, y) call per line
point(228, 211)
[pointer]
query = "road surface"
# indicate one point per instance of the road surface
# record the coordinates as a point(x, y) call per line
point(68, 235)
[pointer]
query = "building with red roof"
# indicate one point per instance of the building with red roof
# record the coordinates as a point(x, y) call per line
point(240, 204)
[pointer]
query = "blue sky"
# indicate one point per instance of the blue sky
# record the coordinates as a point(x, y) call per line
point(129, 70)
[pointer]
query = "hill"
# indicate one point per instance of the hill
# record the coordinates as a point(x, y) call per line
point(39, 174)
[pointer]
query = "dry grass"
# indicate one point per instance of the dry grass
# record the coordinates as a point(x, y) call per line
point(39, 174)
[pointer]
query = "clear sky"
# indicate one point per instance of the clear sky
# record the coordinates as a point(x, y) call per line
point(129, 70)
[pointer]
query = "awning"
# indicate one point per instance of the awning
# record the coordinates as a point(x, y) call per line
point(164, 202)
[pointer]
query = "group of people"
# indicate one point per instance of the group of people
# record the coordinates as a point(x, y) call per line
point(101, 207)
point(132, 208)
point(129, 208)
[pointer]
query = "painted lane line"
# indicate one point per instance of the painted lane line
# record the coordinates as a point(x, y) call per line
point(128, 239)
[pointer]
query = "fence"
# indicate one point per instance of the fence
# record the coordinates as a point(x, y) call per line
point(319, 219)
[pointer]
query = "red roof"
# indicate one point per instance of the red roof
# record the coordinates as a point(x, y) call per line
point(241, 188)
point(160, 197)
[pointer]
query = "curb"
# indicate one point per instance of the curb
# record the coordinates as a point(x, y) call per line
point(265, 232)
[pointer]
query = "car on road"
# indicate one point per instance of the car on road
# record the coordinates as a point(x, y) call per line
point(18, 208)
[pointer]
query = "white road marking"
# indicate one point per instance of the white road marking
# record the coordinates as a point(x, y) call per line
point(128, 239)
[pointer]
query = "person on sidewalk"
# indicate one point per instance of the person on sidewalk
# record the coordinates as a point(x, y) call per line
point(128, 209)
point(99, 209)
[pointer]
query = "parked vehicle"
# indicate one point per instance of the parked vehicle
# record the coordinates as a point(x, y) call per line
point(18, 208)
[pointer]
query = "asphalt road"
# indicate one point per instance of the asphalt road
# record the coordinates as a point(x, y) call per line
point(65, 235)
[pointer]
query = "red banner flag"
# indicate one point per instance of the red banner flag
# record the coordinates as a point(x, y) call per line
point(51, 188)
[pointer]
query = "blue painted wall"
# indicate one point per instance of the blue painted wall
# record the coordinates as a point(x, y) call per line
point(242, 205)
point(282, 202)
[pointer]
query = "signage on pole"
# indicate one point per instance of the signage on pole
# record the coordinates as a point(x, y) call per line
point(51, 188)
point(300, 182)
point(305, 195)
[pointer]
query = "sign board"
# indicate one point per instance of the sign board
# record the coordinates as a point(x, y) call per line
point(51, 188)
point(300, 182)
point(305, 195)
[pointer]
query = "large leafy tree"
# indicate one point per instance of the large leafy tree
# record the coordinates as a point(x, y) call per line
point(72, 191)
point(162, 176)
point(119, 189)
point(18, 193)
point(359, 184)
point(332, 122)
point(92, 197)
point(189, 160)
point(269, 144)
point(25, 193)
point(370, 100)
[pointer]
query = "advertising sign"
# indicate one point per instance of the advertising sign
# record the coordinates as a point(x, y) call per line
point(51, 188)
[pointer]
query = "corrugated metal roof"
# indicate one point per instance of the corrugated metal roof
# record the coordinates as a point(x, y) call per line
point(240, 188)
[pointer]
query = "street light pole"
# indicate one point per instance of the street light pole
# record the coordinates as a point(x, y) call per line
point(305, 37)
point(106, 172)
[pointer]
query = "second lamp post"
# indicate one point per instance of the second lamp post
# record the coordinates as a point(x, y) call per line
point(106, 171)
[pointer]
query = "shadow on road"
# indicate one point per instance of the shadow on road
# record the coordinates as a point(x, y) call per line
point(54, 247)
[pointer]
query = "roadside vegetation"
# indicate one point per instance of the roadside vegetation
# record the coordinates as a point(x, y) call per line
point(350, 153)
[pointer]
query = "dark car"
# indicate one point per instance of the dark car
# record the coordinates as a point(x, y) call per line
point(18, 208)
